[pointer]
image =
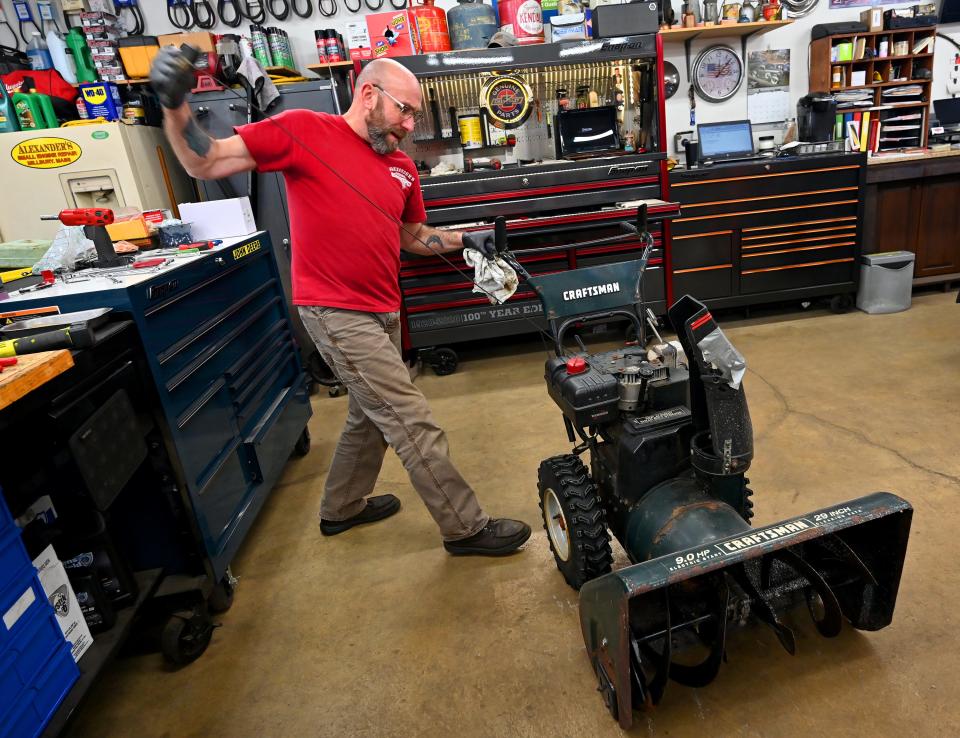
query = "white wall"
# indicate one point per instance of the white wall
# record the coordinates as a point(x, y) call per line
point(796, 37)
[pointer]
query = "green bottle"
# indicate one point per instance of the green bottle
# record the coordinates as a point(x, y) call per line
point(81, 56)
point(8, 114)
point(34, 111)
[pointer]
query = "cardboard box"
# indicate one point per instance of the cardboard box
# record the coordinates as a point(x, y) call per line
point(219, 218)
point(872, 18)
point(199, 39)
point(57, 588)
point(386, 35)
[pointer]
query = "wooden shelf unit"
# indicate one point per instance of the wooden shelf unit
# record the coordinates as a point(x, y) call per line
point(901, 66)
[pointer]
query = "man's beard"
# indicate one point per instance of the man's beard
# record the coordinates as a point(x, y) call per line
point(379, 132)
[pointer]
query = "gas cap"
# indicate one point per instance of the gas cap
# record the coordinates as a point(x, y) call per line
point(576, 365)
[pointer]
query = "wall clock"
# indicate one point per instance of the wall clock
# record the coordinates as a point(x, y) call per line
point(717, 73)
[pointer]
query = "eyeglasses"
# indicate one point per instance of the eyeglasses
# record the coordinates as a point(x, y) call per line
point(406, 111)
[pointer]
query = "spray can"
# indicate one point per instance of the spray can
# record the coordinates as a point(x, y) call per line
point(522, 18)
point(261, 48)
point(333, 47)
point(321, 37)
point(288, 51)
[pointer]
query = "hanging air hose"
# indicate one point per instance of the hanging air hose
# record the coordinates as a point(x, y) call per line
point(180, 14)
point(301, 13)
point(209, 19)
point(234, 6)
point(329, 13)
point(254, 12)
point(25, 18)
point(283, 13)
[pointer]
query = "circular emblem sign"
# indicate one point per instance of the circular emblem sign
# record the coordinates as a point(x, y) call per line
point(508, 99)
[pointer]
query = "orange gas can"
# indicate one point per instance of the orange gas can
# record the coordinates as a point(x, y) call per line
point(431, 26)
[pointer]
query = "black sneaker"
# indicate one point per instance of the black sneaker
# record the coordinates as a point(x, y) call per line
point(498, 537)
point(378, 508)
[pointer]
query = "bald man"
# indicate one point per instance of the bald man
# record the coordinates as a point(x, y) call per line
point(349, 188)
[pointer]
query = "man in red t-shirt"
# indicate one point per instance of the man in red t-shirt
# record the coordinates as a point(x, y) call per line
point(355, 202)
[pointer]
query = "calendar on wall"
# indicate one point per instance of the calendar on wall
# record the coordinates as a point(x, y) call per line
point(768, 85)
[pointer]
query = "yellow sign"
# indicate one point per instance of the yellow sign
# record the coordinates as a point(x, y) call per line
point(46, 153)
point(246, 250)
point(95, 95)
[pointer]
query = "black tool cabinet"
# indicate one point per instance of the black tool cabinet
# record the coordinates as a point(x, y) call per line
point(779, 229)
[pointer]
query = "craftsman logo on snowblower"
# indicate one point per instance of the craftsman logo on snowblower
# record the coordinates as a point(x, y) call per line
point(765, 535)
point(597, 289)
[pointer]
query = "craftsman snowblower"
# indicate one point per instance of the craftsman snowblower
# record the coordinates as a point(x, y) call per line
point(670, 440)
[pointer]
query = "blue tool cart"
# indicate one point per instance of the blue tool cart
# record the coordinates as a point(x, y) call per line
point(177, 427)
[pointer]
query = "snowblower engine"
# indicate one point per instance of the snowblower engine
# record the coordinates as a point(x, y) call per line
point(669, 439)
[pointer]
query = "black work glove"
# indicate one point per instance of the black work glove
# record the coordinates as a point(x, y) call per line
point(482, 241)
point(171, 77)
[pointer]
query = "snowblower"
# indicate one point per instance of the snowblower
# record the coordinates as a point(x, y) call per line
point(670, 442)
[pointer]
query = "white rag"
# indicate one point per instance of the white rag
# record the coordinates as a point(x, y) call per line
point(494, 278)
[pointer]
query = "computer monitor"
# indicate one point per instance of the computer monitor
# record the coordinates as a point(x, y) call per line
point(947, 111)
point(730, 140)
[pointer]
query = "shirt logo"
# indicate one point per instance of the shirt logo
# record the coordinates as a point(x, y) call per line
point(402, 176)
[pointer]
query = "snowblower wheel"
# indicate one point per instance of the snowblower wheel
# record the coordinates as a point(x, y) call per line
point(574, 520)
point(444, 361)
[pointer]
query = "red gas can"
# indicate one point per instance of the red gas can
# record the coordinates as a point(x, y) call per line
point(522, 18)
point(431, 26)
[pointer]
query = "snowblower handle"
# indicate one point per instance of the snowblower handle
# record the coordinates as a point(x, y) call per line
point(500, 234)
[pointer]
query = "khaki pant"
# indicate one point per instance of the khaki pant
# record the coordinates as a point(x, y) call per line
point(363, 350)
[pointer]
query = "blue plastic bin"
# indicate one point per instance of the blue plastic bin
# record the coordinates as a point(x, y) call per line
point(36, 703)
point(37, 640)
point(13, 557)
point(6, 519)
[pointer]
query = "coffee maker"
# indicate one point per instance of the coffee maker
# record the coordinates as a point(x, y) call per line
point(816, 117)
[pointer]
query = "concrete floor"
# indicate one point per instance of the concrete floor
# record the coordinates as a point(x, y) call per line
point(378, 632)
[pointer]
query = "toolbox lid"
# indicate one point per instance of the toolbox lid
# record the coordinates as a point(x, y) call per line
point(889, 259)
point(138, 41)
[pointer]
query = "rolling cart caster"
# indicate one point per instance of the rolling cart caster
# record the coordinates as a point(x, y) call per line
point(841, 303)
point(337, 390)
point(302, 447)
point(221, 596)
point(442, 360)
point(186, 635)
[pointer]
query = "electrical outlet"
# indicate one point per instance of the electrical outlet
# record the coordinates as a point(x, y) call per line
point(953, 84)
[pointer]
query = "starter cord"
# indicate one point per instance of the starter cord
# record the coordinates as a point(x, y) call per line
point(373, 6)
point(180, 14)
point(254, 12)
point(328, 13)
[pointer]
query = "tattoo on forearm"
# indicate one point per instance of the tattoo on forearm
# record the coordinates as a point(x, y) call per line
point(434, 243)
point(197, 139)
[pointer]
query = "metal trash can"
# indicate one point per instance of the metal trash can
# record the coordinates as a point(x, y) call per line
point(886, 281)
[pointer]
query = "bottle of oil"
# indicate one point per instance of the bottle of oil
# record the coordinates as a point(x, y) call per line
point(8, 114)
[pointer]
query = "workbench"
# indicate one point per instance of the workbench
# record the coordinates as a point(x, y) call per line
point(911, 204)
point(233, 400)
point(30, 372)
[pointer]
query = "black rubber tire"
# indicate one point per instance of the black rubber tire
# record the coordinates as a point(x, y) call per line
point(589, 554)
point(444, 361)
point(221, 597)
point(302, 447)
point(186, 636)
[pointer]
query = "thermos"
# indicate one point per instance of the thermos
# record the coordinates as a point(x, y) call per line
point(471, 24)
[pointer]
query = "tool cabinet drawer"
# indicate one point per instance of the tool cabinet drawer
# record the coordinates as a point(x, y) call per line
point(812, 274)
point(765, 213)
point(279, 370)
point(203, 430)
point(704, 282)
point(267, 444)
point(766, 184)
point(224, 487)
point(795, 256)
point(208, 351)
point(701, 250)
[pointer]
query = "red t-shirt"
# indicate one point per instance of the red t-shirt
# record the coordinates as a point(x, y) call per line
point(346, 253)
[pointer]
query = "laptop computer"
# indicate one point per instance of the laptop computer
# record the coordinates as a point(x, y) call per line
point(728, 141)
point(948, 112)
